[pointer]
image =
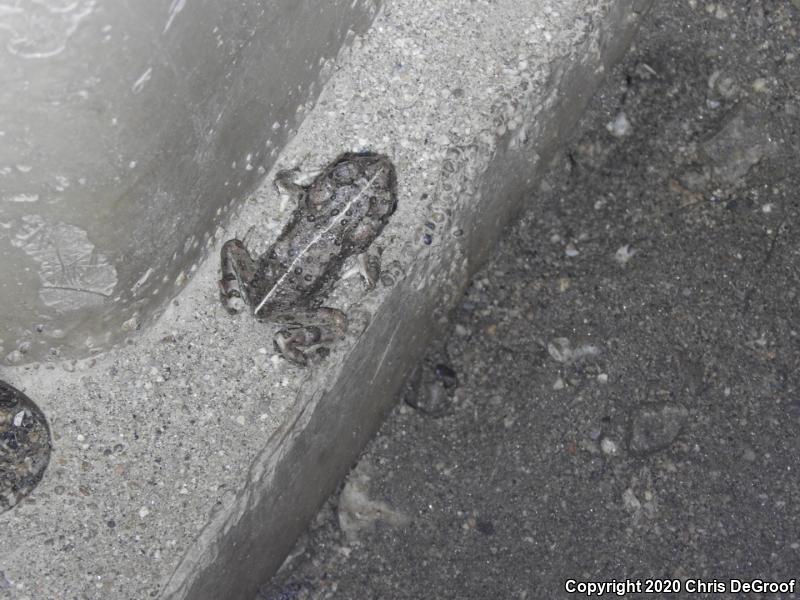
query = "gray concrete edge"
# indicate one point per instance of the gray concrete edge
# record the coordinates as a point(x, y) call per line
point(328, 425)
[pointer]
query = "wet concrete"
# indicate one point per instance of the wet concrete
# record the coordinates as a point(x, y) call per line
point(127, 134)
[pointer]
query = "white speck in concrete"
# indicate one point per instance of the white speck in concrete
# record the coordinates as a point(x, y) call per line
point(620, 126)
point(624, 254)
point(609, 446)
point(138, 85)
point(22, 198)
point(174, 9)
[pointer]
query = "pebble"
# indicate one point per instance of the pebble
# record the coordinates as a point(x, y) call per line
point(656, 427)
point(620, 126)
point(609, 446)
point(559, 349)
point(760, 85)
point(14, 357)
point(131, 324)
point(431, 399)
point(624, 254)
point(742, 143)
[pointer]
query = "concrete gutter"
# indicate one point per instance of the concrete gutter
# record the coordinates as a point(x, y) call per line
point(186, 463)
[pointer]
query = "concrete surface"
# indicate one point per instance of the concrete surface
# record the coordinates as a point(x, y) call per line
point(622, 393)
point(187, 462)
point(127, 133)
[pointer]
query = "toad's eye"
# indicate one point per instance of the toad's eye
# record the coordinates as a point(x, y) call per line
point(345, 172)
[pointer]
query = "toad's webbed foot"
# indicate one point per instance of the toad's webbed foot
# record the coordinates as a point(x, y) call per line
point(369, 267)
point(307, 327)
point(237, 269)
point(286, 184)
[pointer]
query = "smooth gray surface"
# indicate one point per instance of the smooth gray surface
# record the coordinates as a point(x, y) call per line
point(193, 456)
point(127, 131)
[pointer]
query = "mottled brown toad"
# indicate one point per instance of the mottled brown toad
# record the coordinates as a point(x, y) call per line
point(338, 215)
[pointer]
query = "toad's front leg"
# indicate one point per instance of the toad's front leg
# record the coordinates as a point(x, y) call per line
point(307, 327)
point(237, 270)
point(369, 266)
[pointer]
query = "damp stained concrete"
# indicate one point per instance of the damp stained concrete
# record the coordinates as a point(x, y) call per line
point(186, 463)
point(128, 132)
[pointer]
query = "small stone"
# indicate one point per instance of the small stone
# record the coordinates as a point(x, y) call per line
point(742, 143)
point(14, 357)
point(749, 455)
point(656, 427)
point(131, 324)
point(609, 446)
point(620, 126)
point(624, 254)
point(727, 87)
point(630, 501)
point(559, 384)
point(760, 85)
point(571, 251)
point(560, 349)
point(431, 400)
point(143, 512)
point(602, 378)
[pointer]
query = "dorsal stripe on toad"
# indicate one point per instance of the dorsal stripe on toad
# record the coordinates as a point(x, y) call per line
point(316, 239)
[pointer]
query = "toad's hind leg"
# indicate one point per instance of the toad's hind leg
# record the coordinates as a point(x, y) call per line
point(307, 327)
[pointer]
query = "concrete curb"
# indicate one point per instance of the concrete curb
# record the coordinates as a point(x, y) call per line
point(227, 453)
